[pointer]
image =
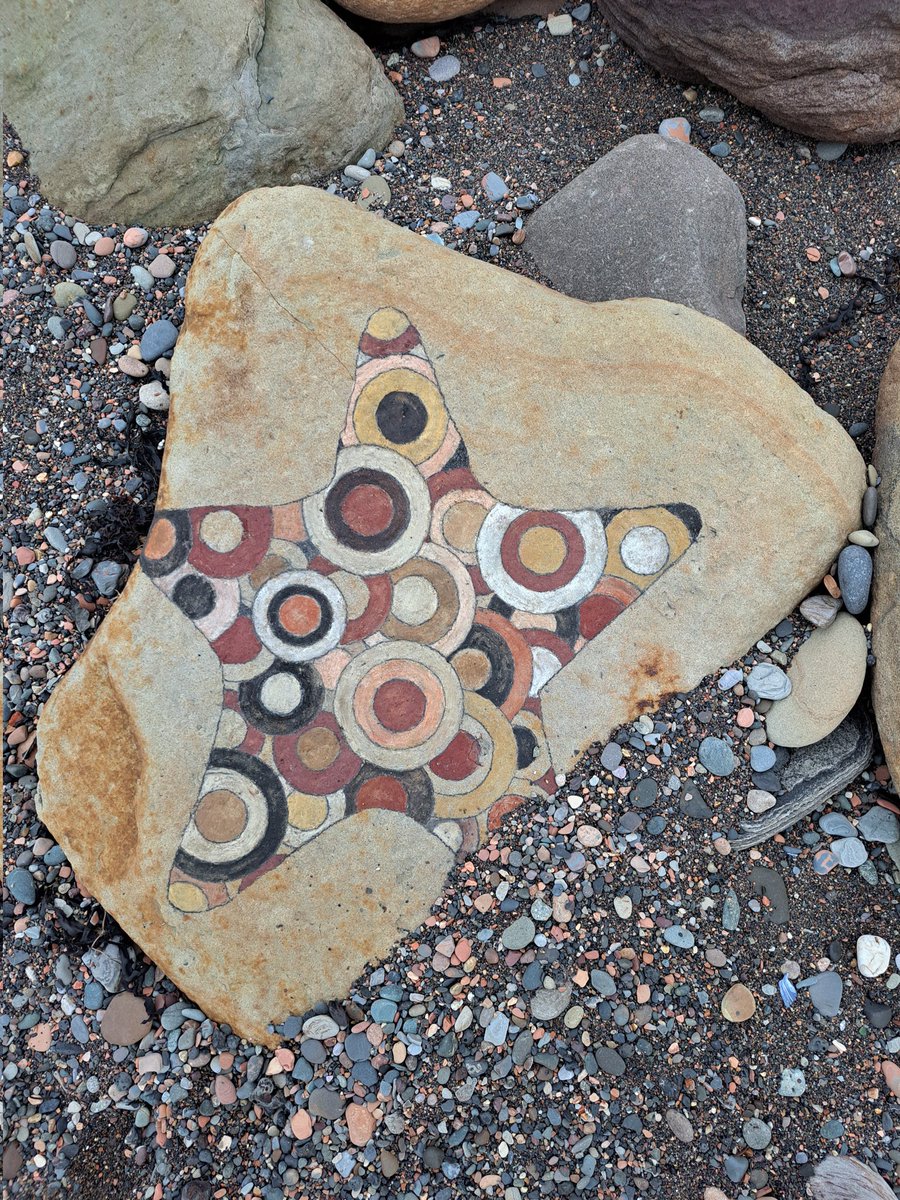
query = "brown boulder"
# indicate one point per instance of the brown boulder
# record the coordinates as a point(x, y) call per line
point(412, 12)
point(599, 417)
point(823, 68)
point(886, 590)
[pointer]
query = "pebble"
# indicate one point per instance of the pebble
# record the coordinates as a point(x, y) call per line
point(443, 69)
point(677, 935)
point(830, 151)
point(320, 1027)
point(711, 115)
point(134, 237)
point(559, 24)
point(738, 1004)
point(104, 246)
point(836, 825)
point(717, 756)
point(850, 852)
point(756, 1133)
point(125, 1021)
point(326, 1102)
point(360, 1124)
point(825, 992)
point(677, 128)
point(497, 1029)
point(154, 396)
point(720, 150)
point(519, 935)
point(549, 1003)
point(623, 906)
point(820, 610)
point(793, 1082)
point(162, 267)
point(494, 187)
point(609, 1061)
point(870, 505)
point(736, 1167)
point(762, 758)
point(855, 577)
point(63, 254)
point(759, 801)
point(158, 339)
point(878, 824)
point(680, 1125)
point(428, 47)
point(873, 955)
point(21, 886)
point(863, 537)
point(768, 682)
point(611, 756)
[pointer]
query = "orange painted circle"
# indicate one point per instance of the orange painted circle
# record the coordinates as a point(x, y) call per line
point(161, 539)
point(300, 615)
point(382, 792)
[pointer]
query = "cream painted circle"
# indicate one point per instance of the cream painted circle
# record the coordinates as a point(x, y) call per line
point(644, 550)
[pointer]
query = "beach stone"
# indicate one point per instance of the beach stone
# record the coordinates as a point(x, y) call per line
point(680, 1125)
point(830, 71)
point(519, 935)
point(827, 676)
point(63, 253)
point(20, 884)
point(717, 756)
point(850, 852)
point(879, 824)
point(125, 1021)
point(820, 610)
point(855, 577)
point(873, 955)
point(886, 590)
point(769, 884)
point(757, 1134)
point(825, 992)
point(840, 1177)
point(759, 801)
point(549, 1003)
point(738, 1004)
point(609, 1061)
point(326, 1102)
point(653, 217)
point(158, 338)
point(766, 680)
point(267, 305)
point(154, 396)
point(289, 93)
point(793, 1082)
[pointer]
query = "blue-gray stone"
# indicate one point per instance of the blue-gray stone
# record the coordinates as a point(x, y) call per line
point(825, 992)
point(158, 339)
point(855, 577)
point(879, 825)
point(142, 278)
point(497, 1029)
point(56, 538)
point(836, 825)
point(717, 756)
point(444, 68)
point(383, 1011)
point(533, 977)
point(720, 150)
point(603, 983)
point(729, 678)
point(736, 1167)
point(762, 758)
point(677, 935)
point(793, 1082)
point(850, 852)
point(830, 151)
point(757, 1133)
point(465, 220)
point(95, 995)
point(518, 935)
point(731, 911)
point(611, 756)
point(368, 159)
point(21, 885)
point(768, 682)
point(494, 187)
point(106, 576)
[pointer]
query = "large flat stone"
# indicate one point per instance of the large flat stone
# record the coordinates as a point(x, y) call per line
point(161, 114)
point(586, 412)
point(886, 592)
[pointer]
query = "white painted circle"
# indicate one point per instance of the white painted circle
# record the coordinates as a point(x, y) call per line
point(281, 693)
point(644, 550)
point(415, 600)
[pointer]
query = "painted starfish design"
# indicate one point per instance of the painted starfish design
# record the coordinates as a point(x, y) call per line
point(384, 642)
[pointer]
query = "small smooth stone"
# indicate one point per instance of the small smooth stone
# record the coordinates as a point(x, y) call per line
point(715, 957)
point(736, 1167)
point(855, 577)
point(154, 396)
point(104, 246)
point(374, 193)
point(429, 47)
point(759, 801)
point(131, 366)
point(768, 682)
point(878, 1015)
point(680, 1125)
point(498, 1027)
point(623, 906)
point(519, 935)
point(135, 237)
point(125, 1021)
point(320, 1027)
point(873, 955)
point(825, 992)
point(711, 115)
point(830, 151)
point(757, 1133)
point(820, 610)
point(847, 263)
point(720, 150)
point(494, 187)
point(443, 69)
point(738, 1004)
point(877, 824)
point(717, 756)
point(67, 293)
point(547, 1004)
point(762, 758)
point(63, 254)
point(301, 1125)
point(327, 1103)
point(769, 884)
point(21, 886)
point(730, 678)
point(611, 756)
point(609, 1061)
point(162, 267)
point(863, 537)
point(677, 935)
point(560, 24)
point(793, 1082)
point(850, 852)
point(677, 128)
point(870, 505)
point(836, 825)
point(824, 862)
point(158, 338)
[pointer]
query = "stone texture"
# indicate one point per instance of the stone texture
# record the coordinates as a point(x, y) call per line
point(829, 70)
point(400, 12)
point(638, 386)
point(826, 677)
point(886, 591)
point(288, 93)
point(654, 217)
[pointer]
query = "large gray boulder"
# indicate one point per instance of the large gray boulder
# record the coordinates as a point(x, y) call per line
point(825, 68)
point(161, 114)
point(654, 217)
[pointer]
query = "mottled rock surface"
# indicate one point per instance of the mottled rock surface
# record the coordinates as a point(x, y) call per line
point(824, 68)
point(246, 93)
point(886, 596)
point(400, 12)
point(269, 355)
point(654, 217)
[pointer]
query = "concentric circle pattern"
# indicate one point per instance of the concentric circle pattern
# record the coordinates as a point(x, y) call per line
point(384, 642)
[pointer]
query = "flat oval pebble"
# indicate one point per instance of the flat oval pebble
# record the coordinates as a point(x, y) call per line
point(762, 758)
point(836, 825)
point(590, 835)
point(445, 68)
point(855, 577)
point(717, 756)
point(759, 801)
point(162, 267)
point(825, 992)
point(738, 1004)
point(757, 1133)
point(104, 246)
point(873, 955)
point(519, 935)
point(623, 906)
point(793, 1082)
point(820, 610)
point(877, 824)
point(320, 1027)
point(134, 237)
point(863, 537)
point(870, 505)
point(609, 1061)
point(549, 1003)
point(677, 935)
point(680, 1125)
point(850, 852)
point(63, 254)
point(827, 674)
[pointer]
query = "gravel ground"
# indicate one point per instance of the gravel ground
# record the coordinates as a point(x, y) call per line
point(464, 1072)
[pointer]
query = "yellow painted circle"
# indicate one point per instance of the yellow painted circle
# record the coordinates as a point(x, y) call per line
point(401, 379)
point(187, 897)
point(306, 812)
point(387, 324)
point(542, 550)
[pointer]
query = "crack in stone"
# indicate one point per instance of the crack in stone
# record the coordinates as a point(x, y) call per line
point(297, 320)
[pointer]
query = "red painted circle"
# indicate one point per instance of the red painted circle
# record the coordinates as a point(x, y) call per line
point(460, 759)
point(367, 509)
point(257, 524)
point(596, 612)
point(383, 791)
point(399, 705)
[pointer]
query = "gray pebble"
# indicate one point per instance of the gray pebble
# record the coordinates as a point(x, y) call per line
point(869, 506)
point(830, 151)
point(711, 115)
point(855, 577)
point(768, 682)
point(158, 339)
point(21, 885)
point(878, 824)
point(793, 1082)
point(497, 1029)
point(611, 756)
point(106, 576)
point(677, 935)
point(368, 159)
point(609, 1061)
point(717, 756)
point(757, 1133)
point(56, 538)
point(63, 254)
point(736, 1167)
point(836, 825)
point(547, 1003)
point(850, 852)
point(519, 935)
point(444, 68)
point(762, 758)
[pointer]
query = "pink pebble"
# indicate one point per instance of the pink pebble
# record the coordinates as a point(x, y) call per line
point(104, 246)
point(135, 237)
point(745, 718)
